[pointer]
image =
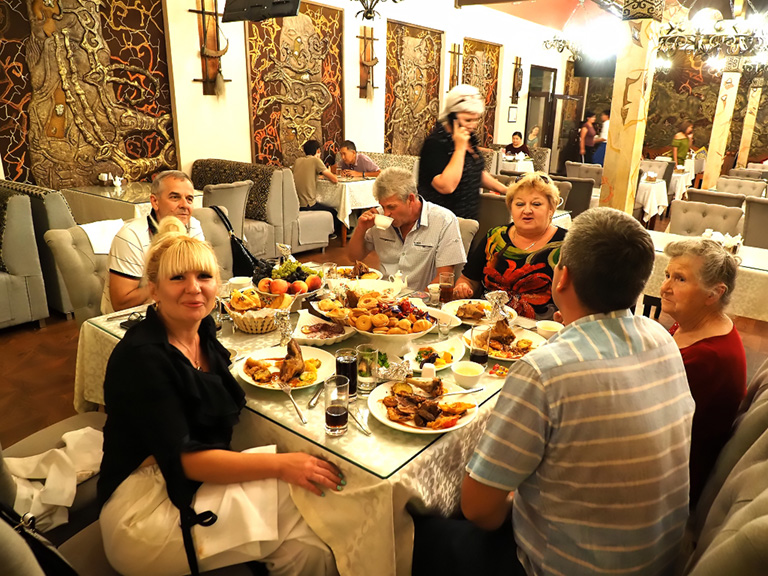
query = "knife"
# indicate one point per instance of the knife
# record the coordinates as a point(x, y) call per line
point(315, 397)
point(359, 421)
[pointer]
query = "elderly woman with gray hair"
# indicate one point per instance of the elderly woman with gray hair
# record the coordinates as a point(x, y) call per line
point(700, 278)
point(451, 166)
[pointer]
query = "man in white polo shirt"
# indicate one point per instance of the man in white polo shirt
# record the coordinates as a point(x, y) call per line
point(423, 240)
point(172, 195)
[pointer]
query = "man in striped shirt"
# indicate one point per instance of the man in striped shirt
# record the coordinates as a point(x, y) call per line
point(589, 440)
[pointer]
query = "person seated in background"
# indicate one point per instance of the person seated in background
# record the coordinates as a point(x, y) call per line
point(700, 278)
point(533, 137)
point(168, 468)
point(172, 195)
point(354, 163)
point(588, 443)
point(306, 170)
point(519, 258)
point(517, 145)
point(423, 239)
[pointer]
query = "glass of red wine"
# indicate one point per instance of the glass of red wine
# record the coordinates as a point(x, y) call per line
point(336, 390)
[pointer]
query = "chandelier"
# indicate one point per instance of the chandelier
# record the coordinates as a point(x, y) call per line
point(561, 44)
point(368, 11)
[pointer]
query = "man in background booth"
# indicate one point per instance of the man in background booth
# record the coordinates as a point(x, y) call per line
point(172, 194)
point(306, 171)
point(354, 163)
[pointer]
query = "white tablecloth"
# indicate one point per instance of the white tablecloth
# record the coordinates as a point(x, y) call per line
point(748, 299)
point(653, 197)
point(346, 196)
point(680, 183)
point(366, 524)
point(522, 166)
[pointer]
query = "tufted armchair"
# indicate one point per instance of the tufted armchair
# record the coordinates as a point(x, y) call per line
point(756, 222)
point(541, 157)
point(22, 290)
point(741, 186)
point(692, 218)
point(580, 194)
point(716, 197)
point(582, 170)
point(748, 174)
point(756, 166)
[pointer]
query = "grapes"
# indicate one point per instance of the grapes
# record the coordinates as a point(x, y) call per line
point(291, 271)
point(262, 269)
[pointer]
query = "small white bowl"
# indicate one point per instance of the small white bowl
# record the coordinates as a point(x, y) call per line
point(548, 328)
point(467, 373)
point(382, 222)
point(239, 282)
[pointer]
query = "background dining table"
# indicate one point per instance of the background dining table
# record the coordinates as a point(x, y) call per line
point(367, 524)
point(348, 195)
point(653, 197)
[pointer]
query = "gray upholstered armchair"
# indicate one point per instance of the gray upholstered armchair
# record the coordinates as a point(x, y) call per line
point(734, 185)
point(22, 290)
point(693, 218)
point(715, 197)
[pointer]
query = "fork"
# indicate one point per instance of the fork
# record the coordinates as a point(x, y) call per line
point(471, 391)
point(285, 387)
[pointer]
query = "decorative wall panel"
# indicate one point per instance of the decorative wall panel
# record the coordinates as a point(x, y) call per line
point(412, 97)
point(481, 70)
point(296, 83)
point(99, 98)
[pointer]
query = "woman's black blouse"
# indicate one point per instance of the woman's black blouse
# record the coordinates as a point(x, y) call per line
point(159, 405)
point(435, 155)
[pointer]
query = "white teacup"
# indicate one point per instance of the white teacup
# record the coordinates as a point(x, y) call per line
point(239, 282)
point(382, 222)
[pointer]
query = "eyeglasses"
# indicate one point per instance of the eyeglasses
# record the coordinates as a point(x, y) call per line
point(541, 176)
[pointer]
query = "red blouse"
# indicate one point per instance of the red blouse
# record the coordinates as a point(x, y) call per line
point(717, 376)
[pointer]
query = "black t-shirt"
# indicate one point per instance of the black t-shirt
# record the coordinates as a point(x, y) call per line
point(435, 155)
point(158, 405)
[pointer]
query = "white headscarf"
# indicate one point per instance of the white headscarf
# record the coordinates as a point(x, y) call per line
point(462, 98)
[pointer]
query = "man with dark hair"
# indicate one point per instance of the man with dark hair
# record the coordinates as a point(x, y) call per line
point(588, 443)
point(601, 142)
point(354, 163)
point(306, 170)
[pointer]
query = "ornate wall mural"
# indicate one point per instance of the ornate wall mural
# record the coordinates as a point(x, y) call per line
point(295, 77)
point(99, 99)
point(689, 92)
point(412, 97)
point(481, 70)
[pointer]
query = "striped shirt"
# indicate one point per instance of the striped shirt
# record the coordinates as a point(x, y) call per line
point(433, 242)
point(593, 433)
point(128, 251)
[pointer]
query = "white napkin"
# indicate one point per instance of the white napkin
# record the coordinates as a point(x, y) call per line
point(46, 483)
point(101, 234)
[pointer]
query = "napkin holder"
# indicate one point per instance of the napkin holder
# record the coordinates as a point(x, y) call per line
point(650, 176)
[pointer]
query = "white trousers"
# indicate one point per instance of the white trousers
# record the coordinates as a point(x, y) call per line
point(142, 536)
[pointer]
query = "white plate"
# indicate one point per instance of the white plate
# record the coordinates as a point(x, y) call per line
point(453, 307)
point(327, 366)
point(453, 345)
point(519, 333)
point(379, 274)
point(379, 411)
point(305, 319)
point(384, 287)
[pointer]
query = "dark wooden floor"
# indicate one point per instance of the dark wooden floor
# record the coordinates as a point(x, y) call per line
point(37, 365)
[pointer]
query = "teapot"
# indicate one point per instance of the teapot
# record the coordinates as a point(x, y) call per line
point(117, 181)
point(399, 280)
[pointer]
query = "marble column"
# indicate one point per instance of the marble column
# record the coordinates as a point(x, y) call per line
point(629, 104)
point(721, 124)
point(750, 118)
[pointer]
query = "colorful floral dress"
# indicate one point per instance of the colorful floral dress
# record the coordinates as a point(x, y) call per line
point(525, 276)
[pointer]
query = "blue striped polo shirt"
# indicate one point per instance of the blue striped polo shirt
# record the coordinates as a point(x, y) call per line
point(593, 433)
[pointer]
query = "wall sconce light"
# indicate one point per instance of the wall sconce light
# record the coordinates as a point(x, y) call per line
point(368, 11)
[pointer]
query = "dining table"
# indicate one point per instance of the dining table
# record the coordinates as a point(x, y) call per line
point(516, 165)
point(652, 195)
point(96, 203)
point(388, 474)
point(748, 298)
point(350, 193)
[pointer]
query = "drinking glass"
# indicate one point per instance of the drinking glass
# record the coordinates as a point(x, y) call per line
point(443, 327)
point(367, 368)
point(446, 287)
point(478, 352)
point(346, 365)
point(336, 389)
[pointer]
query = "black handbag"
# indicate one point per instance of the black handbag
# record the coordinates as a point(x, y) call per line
point(48, 557)
point(243, 262)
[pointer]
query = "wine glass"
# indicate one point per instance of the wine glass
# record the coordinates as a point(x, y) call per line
point(221, 312)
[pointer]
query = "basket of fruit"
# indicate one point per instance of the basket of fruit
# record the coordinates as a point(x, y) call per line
point(292, 278)
point(253, 314)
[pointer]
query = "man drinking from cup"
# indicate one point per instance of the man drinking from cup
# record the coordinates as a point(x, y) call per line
point(416, 237)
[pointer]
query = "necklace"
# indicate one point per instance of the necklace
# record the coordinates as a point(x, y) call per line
point(192, 355)
point(514, 238)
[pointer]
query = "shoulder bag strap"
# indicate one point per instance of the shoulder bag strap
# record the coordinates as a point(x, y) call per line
point(224, 218)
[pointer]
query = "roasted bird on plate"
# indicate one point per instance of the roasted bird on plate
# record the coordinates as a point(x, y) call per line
point(292, 369)
point(472, 311)
point(502, 342)
point(412, 403)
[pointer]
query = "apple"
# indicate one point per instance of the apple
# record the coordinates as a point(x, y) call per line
point(278, 286)
point(264, 284)
point(314, 282)
point(298, 287)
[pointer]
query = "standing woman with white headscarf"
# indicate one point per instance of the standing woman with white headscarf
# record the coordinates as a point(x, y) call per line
point(451, 167)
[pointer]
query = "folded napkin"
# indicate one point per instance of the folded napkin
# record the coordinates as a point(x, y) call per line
point(101, 234)
point(46, 483)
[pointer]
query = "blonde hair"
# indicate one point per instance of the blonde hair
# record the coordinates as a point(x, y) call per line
point(534, 182)
point(174, 252)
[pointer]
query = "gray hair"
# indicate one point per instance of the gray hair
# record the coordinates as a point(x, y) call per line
point(394, 182)
point(718, 266)
point(175, 174)
point(609, 257)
